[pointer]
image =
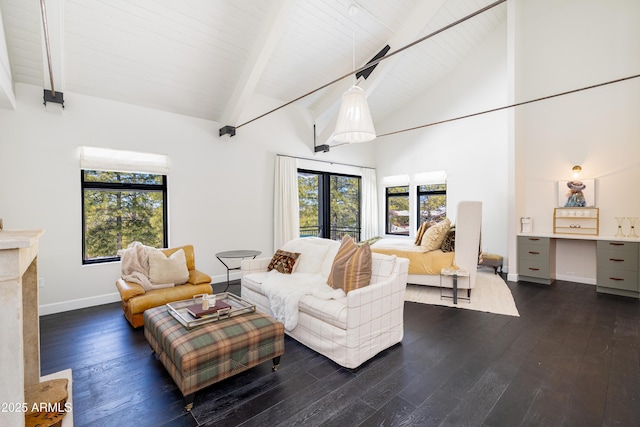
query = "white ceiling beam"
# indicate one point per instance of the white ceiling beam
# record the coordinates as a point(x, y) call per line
point(54, 10)
point(7, 96)
point(326, 108)
point(262, 49)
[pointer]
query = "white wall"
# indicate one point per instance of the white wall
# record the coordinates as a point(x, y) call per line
point(472, 151)
point(220, 191)
point(568, 45)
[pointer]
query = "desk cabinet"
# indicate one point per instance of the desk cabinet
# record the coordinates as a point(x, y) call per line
point(536, 259)
point(617, 267)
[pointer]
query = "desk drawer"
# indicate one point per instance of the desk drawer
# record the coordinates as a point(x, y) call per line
point(618, 279)
point(617, 260)
point(610, 245)
point(532, 240)
point(533, 252)
point(534, 268)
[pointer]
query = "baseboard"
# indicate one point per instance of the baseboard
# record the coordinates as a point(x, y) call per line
point(76, 304)
point(60, 307)
point(576, 279)
point(585, 280)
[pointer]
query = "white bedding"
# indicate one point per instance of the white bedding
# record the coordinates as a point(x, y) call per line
point(406, 245)
point(285, 290)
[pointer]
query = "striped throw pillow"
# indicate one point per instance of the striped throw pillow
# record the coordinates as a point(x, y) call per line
point(347, 248)
point(354, 272)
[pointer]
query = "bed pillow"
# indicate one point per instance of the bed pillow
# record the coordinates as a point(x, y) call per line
point(283, 261)
point(354, 272)
point(433, 237)
point(421, 230)
point(164, 270)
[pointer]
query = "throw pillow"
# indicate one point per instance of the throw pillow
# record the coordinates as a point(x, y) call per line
point(449, 242)
point(347, 248)
point(164, 270)
point(356, 272)
point(283, 261)
point(433, 237)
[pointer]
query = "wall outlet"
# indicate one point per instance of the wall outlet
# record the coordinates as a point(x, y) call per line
point(571, 273)
point(41, 282)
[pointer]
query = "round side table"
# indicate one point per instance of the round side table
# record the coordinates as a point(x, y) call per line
point(238, 254)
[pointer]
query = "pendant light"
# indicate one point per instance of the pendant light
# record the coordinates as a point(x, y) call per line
point(354, 118)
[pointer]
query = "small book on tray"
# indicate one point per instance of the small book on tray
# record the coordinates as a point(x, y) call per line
point(196, 309)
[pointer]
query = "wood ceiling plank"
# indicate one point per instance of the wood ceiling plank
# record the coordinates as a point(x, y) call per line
point(264, 45)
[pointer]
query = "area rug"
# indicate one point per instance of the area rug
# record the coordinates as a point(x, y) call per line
point(491, 294)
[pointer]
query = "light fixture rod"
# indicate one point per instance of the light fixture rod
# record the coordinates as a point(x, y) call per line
point(48, 46)
point(517, 104)
point(364, 67)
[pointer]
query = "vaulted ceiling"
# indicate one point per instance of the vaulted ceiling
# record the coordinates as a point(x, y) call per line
point(208, 58)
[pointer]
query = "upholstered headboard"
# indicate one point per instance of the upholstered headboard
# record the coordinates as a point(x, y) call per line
point(468, 226)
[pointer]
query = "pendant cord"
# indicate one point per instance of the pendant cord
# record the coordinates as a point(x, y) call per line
point(353, 46)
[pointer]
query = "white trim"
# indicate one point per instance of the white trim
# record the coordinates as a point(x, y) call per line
point(76, 304)
point(94, 158)
point(433, 177)
point(60, 307)
point(395, 180)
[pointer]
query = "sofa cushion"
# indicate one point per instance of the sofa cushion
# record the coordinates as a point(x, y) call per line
point(381, 266)
point(312, 253)
point(283, 261)
point(171, 269)
point(433, 237)
point(325, 270)
point(354, 272)
point(331, 311)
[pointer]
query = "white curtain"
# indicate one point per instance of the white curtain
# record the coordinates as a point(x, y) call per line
point(369, 214)
point(286, 209)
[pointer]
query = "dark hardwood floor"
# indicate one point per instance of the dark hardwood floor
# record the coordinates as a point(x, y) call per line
point(572, 358)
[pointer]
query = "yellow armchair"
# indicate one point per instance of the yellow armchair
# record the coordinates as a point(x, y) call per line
point(135, 300)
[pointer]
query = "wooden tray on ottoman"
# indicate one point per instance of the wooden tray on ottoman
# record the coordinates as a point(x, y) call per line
point(179, 310)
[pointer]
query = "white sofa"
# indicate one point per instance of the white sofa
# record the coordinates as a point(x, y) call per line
point(349, 330)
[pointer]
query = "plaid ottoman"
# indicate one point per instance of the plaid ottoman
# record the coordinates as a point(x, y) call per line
point(207, 354)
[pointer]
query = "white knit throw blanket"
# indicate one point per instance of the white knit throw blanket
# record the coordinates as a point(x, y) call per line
point(284, 292)
point(135, 266)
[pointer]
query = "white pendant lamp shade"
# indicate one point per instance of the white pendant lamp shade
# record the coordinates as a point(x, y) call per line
point(354, 119)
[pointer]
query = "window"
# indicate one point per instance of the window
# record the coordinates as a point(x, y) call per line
point(119, 208)
point(432, 202)
point(397, 210)
point(329, 204)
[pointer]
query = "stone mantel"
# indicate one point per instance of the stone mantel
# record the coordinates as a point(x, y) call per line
point(20, 349)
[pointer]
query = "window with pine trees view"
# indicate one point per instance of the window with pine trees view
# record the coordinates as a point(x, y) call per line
point(432, 203)
point(432, 206)
point(119, 208)
point(397, 210)
point(329, 205)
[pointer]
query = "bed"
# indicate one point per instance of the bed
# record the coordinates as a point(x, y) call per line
point(424, 267)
